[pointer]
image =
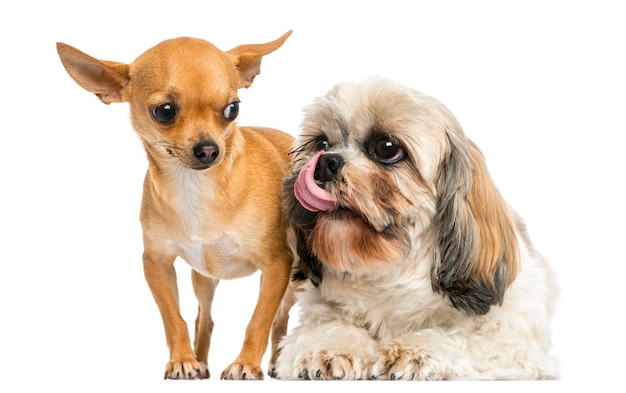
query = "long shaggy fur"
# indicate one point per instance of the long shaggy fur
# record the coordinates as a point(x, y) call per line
point(422, 271)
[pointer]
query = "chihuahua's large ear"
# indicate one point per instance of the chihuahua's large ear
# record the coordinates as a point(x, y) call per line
point(477, 246)
point(247, 58)
point(106, 79)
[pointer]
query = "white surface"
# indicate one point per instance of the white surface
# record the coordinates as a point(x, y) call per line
point(539, 85)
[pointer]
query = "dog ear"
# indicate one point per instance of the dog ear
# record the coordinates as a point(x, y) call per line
point(309, 267)
point(477, 246)
point(247, 58)
point(106, 79)
point(302, 221)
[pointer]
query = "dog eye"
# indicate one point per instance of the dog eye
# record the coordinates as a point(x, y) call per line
point(164, 113)
point(321, 144)
point(386, 151)
point(231, 111)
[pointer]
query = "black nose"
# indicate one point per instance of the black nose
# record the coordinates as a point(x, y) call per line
point(328, 167)
point(206, 152)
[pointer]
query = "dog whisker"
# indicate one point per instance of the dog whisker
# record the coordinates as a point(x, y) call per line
point(308, 139)
point(167, 145)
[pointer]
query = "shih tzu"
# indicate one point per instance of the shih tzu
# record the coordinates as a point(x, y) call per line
point(413, 265)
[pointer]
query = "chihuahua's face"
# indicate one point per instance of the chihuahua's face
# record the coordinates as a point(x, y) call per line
point(182, 94)
point(183, 100)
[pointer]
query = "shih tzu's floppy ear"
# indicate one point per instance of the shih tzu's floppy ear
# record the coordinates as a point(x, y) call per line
point(477, 247)
point(302, 221)
point(308, 267)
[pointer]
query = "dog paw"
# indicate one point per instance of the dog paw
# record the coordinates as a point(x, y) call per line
point(239, 370)
point(272, 365)
point(397, 362)
point(272, 371)
point(331, 365)
point(186, 369)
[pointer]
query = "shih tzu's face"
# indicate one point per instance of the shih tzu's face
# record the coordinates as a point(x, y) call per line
point(379, 170)
point(365, 172)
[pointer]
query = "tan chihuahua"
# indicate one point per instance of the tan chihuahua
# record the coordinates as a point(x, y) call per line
point(212, 191)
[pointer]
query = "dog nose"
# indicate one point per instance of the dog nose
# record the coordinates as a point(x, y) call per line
point(328, 167)
point(206, 152)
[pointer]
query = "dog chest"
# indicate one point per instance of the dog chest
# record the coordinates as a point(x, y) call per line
point(222, 258)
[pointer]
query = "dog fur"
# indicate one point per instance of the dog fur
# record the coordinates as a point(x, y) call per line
point(415, 266)
point(211, 194)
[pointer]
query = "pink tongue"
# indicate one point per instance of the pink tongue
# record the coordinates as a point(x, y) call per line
point(309, 194)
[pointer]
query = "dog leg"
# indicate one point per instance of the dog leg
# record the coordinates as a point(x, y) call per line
point(279, 328)
point(274, 280)
point(204, 288)
point(161, 277)
point(496, 353)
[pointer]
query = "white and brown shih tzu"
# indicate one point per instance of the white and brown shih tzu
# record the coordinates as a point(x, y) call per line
point(414, 266)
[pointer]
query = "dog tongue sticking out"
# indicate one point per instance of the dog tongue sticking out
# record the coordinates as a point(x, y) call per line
point(311, 196)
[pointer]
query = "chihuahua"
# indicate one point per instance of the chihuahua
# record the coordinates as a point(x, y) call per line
point(211, 195)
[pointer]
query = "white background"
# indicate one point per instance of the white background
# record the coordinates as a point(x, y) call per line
point(539, 85)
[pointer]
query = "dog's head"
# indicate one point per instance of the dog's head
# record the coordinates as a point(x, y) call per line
point(381, 170)
point(182, 94)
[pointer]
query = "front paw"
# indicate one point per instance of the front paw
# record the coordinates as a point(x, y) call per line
point(331, 365)
point(242, 370)
point(186, 369)
point(397, 362)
